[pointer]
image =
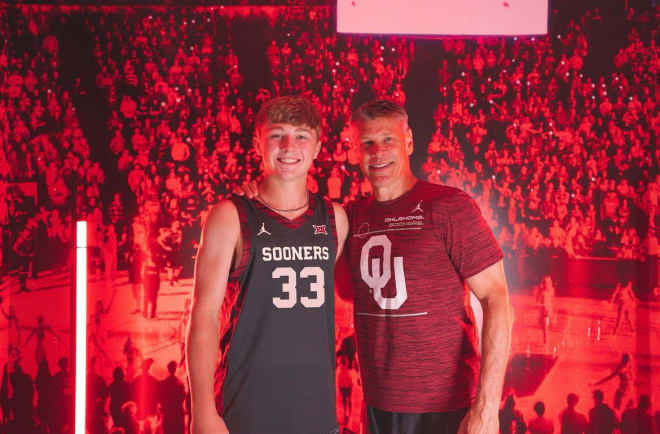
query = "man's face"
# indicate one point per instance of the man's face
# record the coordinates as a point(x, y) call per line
point(287, 150)
point(384, 146)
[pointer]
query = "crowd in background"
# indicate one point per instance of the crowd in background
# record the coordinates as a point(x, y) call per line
point(558, 151)
point(554, 136)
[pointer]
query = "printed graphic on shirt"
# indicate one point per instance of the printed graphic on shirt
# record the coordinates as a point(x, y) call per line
point(263, 230)
point(295, 253)
point(319, 229)
point(377, 273)
point(397, 223)
point(288, 278)
point(294, 282)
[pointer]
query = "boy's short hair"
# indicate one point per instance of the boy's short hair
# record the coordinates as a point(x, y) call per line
point(378, 108)
point(294, 110)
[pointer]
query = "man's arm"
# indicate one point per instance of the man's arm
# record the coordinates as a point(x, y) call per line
point(489, 286)
point(341, 223)
point(343, 285)
point(220, 237)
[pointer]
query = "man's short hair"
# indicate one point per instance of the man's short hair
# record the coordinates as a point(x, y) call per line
point(598, 395)
point(378, 108)
point(294, 110)
point(63, 363)
point(539, 408)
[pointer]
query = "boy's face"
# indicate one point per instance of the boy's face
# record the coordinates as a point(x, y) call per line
point(287, 150)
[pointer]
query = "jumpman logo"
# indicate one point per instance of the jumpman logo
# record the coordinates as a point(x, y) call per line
point(417, 208)
point(263, 230)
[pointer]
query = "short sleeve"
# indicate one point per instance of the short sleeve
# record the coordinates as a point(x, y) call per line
point(349, 207)
point(470, 243)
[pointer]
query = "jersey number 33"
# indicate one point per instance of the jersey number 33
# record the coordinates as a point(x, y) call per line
point(289, 287)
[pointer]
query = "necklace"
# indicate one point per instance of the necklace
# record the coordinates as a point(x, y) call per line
point(284, 210)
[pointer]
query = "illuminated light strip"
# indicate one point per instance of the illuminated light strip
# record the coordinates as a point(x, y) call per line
point(81, 326)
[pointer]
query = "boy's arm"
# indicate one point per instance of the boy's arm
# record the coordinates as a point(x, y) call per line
point(219, 241)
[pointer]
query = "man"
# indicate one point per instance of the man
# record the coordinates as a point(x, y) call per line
point(411, 248)
point(638, 419)
point(540, 424)
point(144, 389)
point(602, 419)
point(511, 420)
point(151, 284)
point(276, 373)
point(24, 248)
point(97, 389)
point(172, 395)
point(21, 401)
point(63, 392)
point(120, 393)
point(572, 422)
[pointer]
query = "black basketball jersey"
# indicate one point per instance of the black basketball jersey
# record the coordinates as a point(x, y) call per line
point(277, 372)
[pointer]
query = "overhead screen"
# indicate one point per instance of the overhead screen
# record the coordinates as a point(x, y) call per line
point(443, 18)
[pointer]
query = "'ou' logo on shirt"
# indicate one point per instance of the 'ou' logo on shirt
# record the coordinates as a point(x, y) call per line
point(320, 230)
point(377, 281)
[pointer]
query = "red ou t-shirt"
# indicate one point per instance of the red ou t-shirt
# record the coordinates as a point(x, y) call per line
point(409, 257)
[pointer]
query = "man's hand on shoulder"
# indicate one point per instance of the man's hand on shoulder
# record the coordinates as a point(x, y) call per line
point(479, 422)
point(247, 189)
point(209, 425)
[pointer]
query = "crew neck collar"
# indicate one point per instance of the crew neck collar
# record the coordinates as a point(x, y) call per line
point(398, 198)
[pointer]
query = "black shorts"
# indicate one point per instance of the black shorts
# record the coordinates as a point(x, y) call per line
point(385, 422)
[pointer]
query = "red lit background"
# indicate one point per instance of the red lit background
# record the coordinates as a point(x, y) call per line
point(138, 119)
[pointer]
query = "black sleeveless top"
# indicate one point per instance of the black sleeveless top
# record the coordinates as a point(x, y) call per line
point(277, 372)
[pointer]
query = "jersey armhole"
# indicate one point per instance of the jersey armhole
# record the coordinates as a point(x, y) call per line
point(236, 272)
